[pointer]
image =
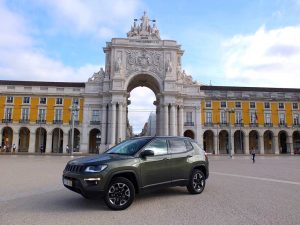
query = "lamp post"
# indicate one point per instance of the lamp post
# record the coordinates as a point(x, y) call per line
point(74, 109)
point(229, 141)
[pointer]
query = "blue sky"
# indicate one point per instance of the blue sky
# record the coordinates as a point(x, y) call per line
point(226, 42)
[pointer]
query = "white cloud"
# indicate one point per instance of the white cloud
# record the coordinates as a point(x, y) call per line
point(266, 58)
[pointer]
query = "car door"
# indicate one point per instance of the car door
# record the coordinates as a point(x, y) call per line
point(155, 170)
point(181, 152)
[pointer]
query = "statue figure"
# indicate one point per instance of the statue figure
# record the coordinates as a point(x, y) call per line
point(169, 66)
point(118, 64)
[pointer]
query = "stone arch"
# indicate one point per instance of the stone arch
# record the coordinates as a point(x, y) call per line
point(189, 133)
point(296, 142)
point(57, 140)
point(223, 142)
point(40, 139)
point(208, 141)
point(7, 138)
point(93, 141)
point(254, 141)
point(76, 139)
point(24, 139)
point(239, 142)
point(269, 142)
point(283, 144)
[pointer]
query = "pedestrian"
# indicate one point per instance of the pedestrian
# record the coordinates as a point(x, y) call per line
point(14, 148)
point(67, 149)
point(42, 149)
point(253, 155)
point(4, 148)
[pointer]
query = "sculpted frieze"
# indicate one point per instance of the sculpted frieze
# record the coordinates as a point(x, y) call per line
point(143, 61)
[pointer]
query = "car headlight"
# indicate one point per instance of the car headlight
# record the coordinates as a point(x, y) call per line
point(95, 169)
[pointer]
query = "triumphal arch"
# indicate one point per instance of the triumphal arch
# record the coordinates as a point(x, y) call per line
point(142, 59)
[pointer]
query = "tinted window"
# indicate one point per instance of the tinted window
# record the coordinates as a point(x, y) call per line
point(158, 146)
point(188, 145)
point(177, 145)
point(129, 147)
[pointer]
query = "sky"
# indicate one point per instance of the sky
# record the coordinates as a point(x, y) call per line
point(225, 42)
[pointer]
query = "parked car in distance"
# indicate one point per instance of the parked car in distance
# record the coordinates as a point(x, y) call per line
point(136, 165)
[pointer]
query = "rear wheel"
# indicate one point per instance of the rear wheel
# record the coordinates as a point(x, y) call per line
point(120, 194)
point(197, 182)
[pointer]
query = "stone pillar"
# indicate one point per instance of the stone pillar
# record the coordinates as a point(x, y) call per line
point(113, 125)
point(120, 123)
point(162, 121)
point(65, 141)
point(166, 120)
point(276, 147)
point(246, 145)
point(289, 141)
point(103, 126)
point(1, 137)
point(172, 120)
point(48, 143)
point(15, 141)
point(157, 133)
point(124, 121)
point(31, 148)
point(261, 144)
point(198, 136)
point(232, 143)
point(180, 121)
point(84, 135)
point(216, 147)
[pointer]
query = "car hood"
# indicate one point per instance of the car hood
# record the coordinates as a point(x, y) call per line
point(98, 159)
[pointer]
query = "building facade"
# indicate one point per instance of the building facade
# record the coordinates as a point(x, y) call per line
point(93, 116)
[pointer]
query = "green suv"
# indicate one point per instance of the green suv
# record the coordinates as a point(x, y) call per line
point(136, 165)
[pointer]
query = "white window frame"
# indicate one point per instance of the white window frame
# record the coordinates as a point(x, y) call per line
point(25, 116)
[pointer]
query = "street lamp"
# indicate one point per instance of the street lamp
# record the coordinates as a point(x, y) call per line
point(74, 109)
point(229, 141)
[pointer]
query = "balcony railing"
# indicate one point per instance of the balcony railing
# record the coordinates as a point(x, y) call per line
point(7, 120)
point(281, 124)
point(268, 124)
point(253, 124)
point(76, 122)
point(188, 123)
point(223, 124)
point(25, 121)
point(57, 122)
point(208, 124)
point(41, 121)
point(239, 124)
point(94, 122)
point(296, 125)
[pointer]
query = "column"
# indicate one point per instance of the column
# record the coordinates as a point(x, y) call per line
point(276, 147)
point(166, 120)
point(103, 125)
point(65, 141)
point(124, 121)
point(120, 123)
point(113, 124)
point(1, 137)
point(31, 148)
point(48, 143)
point(232, 143)
point(84, 134)
point(261, 144)
point(199, 137)
point(161, 119)
point(180, 121)
point(172, 120)
point(246, 145)
point(216, 147)
point(157, 133)
point(290, 144)
point(15, 141)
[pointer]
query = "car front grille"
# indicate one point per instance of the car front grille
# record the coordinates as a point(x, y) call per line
point(74, 168)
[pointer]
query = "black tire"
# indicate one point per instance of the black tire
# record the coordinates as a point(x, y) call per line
point(119, 194)
point(197, 182)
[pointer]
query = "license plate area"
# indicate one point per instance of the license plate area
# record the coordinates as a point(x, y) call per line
point(67, 182)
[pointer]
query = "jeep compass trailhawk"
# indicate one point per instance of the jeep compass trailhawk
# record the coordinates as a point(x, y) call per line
point(136, 165)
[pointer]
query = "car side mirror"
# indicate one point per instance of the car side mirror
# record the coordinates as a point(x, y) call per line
point(146, 153)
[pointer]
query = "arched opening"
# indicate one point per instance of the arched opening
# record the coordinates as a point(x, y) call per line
point(143, 116)
point(7, 138)
point(57, 140)
point(189, 133)
point(208, 141)
point(282, 142)
point(269, 142)
point(24, 137)
point(76, 140)
point(223, 142)
point(239, 142)
point(94, 141)
point(296, 142)
point(40, 139)
point(254, 141)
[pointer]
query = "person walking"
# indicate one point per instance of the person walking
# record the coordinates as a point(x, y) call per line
point(253, 155)
point(67, 149)
point(14, 148)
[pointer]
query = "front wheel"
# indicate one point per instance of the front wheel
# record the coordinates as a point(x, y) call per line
point(197, 182)
point(120, 194)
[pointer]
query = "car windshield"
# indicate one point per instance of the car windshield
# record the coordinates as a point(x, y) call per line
point(129, 147)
